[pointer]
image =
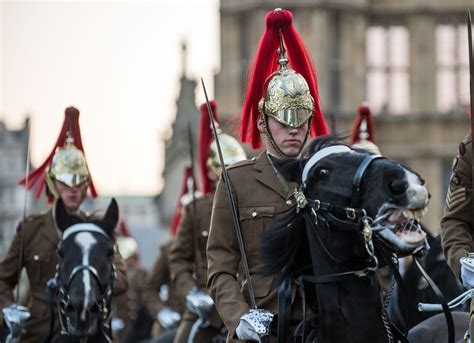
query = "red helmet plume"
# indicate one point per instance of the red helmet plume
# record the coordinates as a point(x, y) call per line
point(363, 115)
point(187, 174)
point(266, 63)
point(206, 136)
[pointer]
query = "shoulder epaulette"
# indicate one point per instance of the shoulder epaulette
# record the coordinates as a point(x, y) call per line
point(242, 163)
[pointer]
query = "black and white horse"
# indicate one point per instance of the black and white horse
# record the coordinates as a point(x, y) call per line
point(85, 275)
point(350, 201)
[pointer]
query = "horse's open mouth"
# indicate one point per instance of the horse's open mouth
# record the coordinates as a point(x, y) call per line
point(400, 227)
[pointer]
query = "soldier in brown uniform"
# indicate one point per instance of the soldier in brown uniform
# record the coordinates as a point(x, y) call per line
point(188, 261)
point(128, 309)
point(281, 108)
point(37, 237)
point(457, 223)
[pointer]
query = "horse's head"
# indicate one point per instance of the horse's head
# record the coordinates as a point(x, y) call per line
point(354, 194)
point(85, 272)
point(392, 195)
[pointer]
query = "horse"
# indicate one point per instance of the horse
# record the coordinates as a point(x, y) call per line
point(351, 207)
point(85, 275)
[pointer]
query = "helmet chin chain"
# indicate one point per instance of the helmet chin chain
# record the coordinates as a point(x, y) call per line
point(275, 147)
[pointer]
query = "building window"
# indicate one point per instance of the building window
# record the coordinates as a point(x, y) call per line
point(452, 68)
point(388, 78)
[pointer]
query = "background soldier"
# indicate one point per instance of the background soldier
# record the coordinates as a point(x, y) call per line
point(66, 176)
point(188, 261)
point(129, 308)
point(281, 109)
point(457, 222)
point(159, 295)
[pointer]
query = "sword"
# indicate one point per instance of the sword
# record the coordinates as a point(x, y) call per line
point(225, 177)
point(471, 89)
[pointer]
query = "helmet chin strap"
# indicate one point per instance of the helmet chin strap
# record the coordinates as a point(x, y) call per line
point(275, 146)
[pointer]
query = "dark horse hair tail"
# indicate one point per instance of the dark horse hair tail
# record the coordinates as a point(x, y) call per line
point(283, 248)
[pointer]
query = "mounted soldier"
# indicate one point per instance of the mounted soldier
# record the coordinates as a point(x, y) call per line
point(188, 261)
point(281, 110)
point(64, 175)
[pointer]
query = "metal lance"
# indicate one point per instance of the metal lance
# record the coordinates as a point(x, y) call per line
point(471, 89)
point(225, 177)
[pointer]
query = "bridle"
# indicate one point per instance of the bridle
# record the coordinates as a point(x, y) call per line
point(61, 290)
point(337, 218)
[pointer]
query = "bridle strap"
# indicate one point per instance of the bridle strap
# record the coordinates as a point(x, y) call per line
point(356, 182)
point(82, 227)
point(320, 155)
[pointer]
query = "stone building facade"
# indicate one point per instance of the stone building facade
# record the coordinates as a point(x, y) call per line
point(408, 58)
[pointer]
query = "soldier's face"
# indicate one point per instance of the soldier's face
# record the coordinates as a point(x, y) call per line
point(72, 196)
point(289, 140)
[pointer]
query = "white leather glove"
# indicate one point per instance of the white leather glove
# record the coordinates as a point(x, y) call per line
point(199, 303)
point(254, 325)
point(168, 318)
point(467, 271)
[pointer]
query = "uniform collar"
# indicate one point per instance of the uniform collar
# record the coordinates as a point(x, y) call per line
point(268, 176)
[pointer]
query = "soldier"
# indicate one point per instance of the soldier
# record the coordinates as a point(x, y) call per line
point(129, 308)
point(457, 222)
point(281, 109)
point(160, 298)
point(34, 244)
point(188, 261)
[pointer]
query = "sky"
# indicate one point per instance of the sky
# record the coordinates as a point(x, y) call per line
point(119, 63)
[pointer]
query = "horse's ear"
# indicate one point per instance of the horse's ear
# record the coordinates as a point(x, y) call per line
point(62, 218)
point(290, 169)
point(111, 217)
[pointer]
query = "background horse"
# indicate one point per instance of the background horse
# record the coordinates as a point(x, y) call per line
point(85, 275)
point(349, 195)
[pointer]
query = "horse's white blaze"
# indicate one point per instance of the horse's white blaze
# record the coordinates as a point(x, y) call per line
point(85, 241)
point(416, 192)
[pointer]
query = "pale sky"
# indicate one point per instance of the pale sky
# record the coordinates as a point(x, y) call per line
point(119, 63)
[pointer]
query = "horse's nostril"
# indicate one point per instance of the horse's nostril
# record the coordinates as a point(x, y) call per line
point(398, 187)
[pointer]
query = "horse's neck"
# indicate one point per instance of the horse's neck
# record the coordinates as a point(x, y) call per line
point(350, 311)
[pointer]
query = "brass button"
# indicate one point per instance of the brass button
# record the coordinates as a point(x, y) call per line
point(288, 202)
point(205, 233)
point(36, 258)
point(254, 214)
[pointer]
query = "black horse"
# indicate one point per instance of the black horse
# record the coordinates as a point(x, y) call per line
point(349, 200)
point(85, 275)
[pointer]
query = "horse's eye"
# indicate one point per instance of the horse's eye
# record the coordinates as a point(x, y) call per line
point(110, 253)
point(323, 173)
point(61, 252)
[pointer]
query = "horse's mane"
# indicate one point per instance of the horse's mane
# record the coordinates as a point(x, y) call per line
point(286, 234)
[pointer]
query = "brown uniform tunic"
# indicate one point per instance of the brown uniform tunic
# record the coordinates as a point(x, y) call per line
point(39, 243)
point(260, 195)
point(128, 306)
point(457, 222)
point(159, 276)
point(188, 262)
